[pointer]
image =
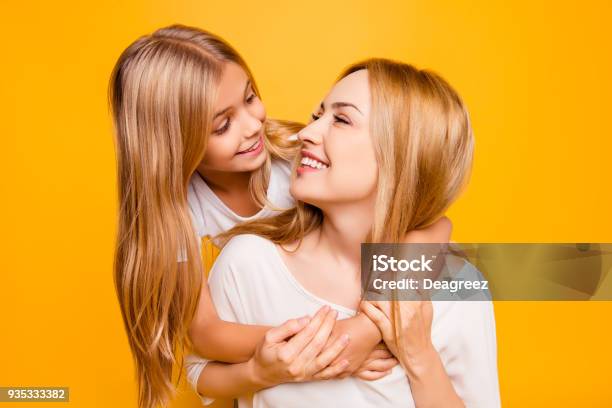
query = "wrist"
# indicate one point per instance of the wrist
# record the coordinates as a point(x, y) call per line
point(255, 375)
point(419, 365)
point(370, 327)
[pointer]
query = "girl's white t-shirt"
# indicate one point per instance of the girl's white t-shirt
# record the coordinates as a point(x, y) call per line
point(211, 216)
point(250, 284)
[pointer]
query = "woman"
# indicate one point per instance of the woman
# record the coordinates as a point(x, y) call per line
point(386, 153)
point(196, 155)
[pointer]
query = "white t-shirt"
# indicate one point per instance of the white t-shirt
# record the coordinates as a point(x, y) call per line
point(211, 216)
point(250, 284)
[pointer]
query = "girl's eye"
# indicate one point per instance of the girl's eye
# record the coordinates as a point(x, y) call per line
point(341, 120)
point(314, 116)
point(251, 98)
point(223, 128)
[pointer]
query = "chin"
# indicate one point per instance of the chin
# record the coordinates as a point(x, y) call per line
point(255, 163)
point(306, 195)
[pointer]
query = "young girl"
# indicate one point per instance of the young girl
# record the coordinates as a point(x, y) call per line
point(195, 156)
point(387, 152)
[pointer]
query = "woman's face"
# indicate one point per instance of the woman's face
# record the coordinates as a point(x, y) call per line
point(236, 142)
point(338, 164)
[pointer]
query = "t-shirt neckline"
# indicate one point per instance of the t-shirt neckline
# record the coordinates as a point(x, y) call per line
point(293, 280)
point(223, 207)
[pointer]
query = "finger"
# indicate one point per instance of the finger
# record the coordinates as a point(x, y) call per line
point(379, 318)
point(380, 353)
point(307, 356)
point(297, 343)
point(332, 371)
point(371, 375)
point(378, 356)
point(330, 354)
point(384, 306)
point(285, 330)
point(380, 365)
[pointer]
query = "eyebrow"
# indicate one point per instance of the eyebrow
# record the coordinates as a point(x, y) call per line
point(342, 105)
point(246, 87)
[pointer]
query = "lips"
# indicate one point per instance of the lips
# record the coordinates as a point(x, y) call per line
point(310, 155)
point(253, 147)
point(311, 162)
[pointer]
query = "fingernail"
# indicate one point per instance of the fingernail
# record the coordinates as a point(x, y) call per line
point(345, 363)
point(304, 320)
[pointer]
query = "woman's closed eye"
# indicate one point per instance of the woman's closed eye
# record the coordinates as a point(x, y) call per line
point(341, 119)
point(337, 119)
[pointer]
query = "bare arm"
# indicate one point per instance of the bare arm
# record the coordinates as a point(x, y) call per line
point(429, 383)
point(219, 340)
point(288, 353)
point(222, 380)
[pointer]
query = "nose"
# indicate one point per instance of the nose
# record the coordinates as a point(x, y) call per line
point(312, 133)
point(252, 124)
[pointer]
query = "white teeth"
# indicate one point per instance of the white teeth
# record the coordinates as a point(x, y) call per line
point(315, 164)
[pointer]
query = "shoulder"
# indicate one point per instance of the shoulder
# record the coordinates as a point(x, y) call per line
point(468, 323)
point(245, 251)
point(246, 244)
point(245, 262)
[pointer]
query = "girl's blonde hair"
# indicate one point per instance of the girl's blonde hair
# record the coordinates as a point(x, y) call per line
point(423, 143)
point(161, 94)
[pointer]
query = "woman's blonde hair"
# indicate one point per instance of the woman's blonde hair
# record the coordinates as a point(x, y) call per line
point(161, 94)
point(423, 143)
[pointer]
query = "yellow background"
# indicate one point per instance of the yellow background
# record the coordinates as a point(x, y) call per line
point(536, 76)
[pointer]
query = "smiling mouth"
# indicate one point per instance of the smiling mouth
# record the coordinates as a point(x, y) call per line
point(312, 163)
point(253, 147)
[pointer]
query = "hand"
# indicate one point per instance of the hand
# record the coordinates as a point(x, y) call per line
point(292, 351)
point(378, 364)
point(412, 346)
point(409, 339)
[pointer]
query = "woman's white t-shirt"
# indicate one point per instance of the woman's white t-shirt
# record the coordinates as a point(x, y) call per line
point(250, 284)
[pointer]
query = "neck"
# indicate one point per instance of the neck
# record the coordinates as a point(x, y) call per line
point(227, 182)
point(344, 228)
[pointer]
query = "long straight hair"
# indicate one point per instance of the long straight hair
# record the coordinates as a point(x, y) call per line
point(161, 94)
point(423, 142)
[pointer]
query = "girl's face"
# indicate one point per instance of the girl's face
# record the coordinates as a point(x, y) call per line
point(236, 142)
point(338, 163)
